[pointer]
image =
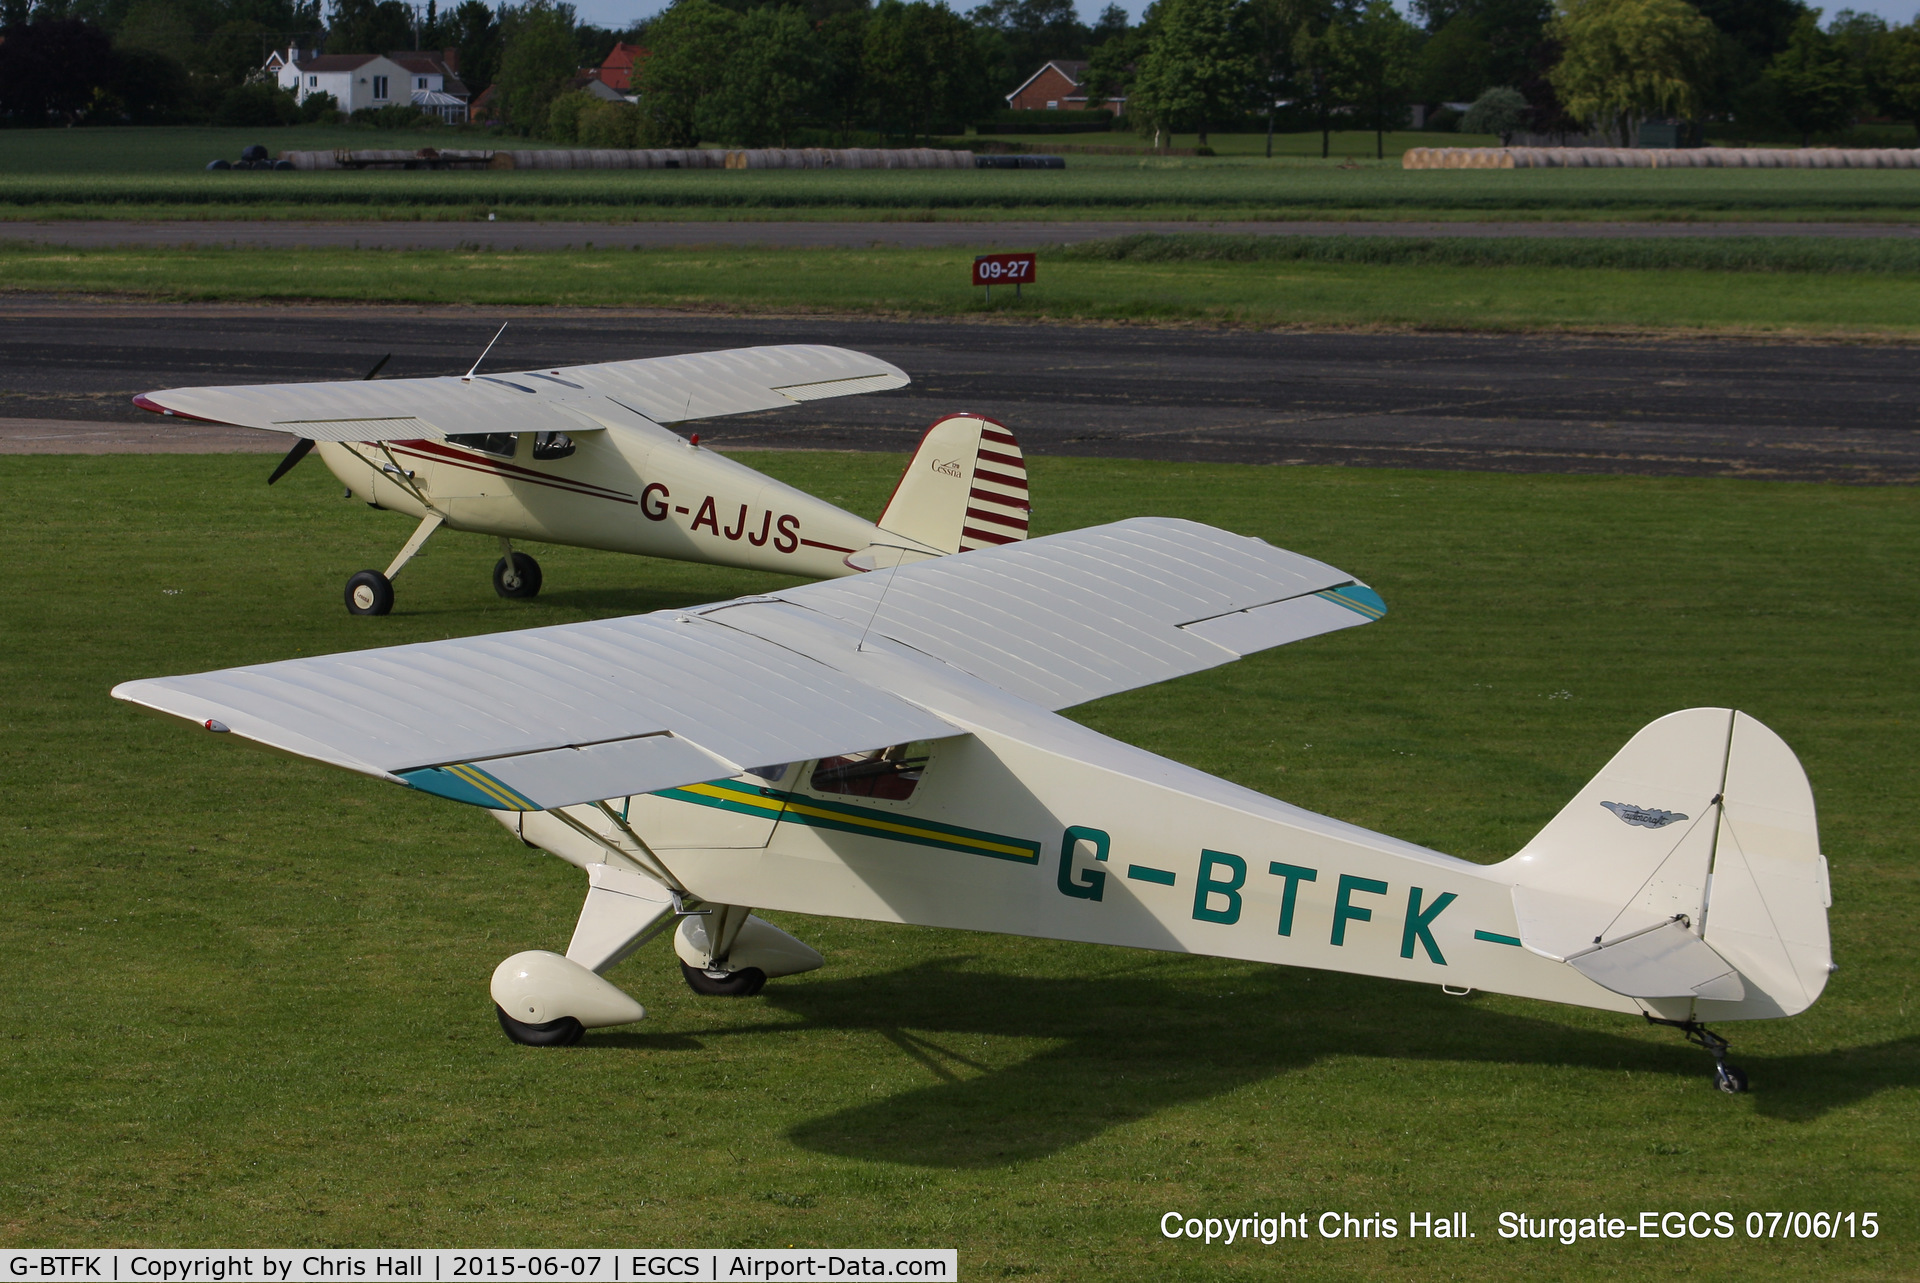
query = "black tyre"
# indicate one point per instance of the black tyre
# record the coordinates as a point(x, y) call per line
point(1730, 1078)
point(743, 983)
point(563, 1032)
point(369, 593)
point(524, 581)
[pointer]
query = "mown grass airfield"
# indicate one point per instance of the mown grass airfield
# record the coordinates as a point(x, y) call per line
point(252, 992)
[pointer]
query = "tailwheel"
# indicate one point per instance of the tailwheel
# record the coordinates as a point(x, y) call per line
point(744, 983)
point(1730, 1079)
point(563, 1032)
point(369, 593)
point(520, 579)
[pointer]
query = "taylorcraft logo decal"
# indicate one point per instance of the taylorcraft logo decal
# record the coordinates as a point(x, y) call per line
point(1643, 817)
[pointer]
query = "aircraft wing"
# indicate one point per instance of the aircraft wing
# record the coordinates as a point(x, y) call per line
point(579, 398)
point(550, 716)
point(1071, 617)
point(554, 716)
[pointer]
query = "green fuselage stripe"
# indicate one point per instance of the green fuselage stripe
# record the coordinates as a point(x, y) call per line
point(797, 808)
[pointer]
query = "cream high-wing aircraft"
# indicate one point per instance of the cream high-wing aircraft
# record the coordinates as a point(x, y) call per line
point(888, 747)
point(578, 456)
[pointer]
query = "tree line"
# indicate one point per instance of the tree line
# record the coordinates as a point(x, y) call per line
point(765, 72)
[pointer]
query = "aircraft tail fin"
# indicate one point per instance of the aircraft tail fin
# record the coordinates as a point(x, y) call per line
point(965, 488)
point(1686, 874)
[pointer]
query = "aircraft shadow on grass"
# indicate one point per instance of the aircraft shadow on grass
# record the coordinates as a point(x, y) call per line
point(1136, 1044)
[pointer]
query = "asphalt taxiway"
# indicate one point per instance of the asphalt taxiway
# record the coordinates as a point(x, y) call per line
point(1724, 407)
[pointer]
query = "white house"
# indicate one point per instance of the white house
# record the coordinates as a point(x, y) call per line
point(360, 80)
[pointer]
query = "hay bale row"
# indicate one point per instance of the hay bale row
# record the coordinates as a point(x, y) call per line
point(849, 158)
point(1659, 158)
point(647, 158)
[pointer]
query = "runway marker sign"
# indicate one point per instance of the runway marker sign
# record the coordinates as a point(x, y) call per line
point(1004, 269)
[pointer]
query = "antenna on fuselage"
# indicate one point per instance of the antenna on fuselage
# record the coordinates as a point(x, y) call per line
point(468, 376)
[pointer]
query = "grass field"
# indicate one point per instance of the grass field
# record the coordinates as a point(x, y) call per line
point(1757, 285)
point(249, 993)
point(1092, 187)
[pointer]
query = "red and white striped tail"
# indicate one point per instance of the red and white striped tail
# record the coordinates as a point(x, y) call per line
point(965, 488)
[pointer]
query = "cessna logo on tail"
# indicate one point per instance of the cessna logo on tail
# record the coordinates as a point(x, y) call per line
point(951, 468)
point(1643, 817)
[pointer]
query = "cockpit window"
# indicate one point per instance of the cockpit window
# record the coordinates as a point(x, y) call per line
point(890, 774)
point(500, 443)
point(552, 445)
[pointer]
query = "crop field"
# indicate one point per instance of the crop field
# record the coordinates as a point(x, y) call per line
point(249, 999)
point(1091, 187)
point(1725, 285)
point(176, 149)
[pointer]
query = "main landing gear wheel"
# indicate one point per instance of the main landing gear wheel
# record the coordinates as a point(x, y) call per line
point(369, 593)
point(563, 1032)
point(743, 983)
point(521, 580)
point(1730, 1078)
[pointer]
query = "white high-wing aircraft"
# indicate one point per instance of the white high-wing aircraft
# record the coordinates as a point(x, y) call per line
point(578, 456)
point(888, 747)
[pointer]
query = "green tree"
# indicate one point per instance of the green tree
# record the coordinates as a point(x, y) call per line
point(369, 26)
point(842, 89)
point(1111, 65)
point(1272, 28)
point(692, 43)
point(536, 60)
point(1197, 70)
point(1498, 111)
point(925, 69)
point(474, 31)
point(1031, 32)
point(1899, 74)
point(1476, 44)
point(1371, 54)
point(771, 80)
point(1624, 61)
point(1816, 86)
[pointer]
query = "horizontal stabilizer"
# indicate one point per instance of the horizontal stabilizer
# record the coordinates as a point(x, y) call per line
point(1667, 961)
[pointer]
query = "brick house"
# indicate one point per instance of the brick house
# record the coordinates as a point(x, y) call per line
point(1058, 86)
point(617, 71)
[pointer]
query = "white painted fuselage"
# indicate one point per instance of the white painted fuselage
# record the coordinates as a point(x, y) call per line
point(625, 489)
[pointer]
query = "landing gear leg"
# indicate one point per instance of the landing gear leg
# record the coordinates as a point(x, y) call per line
point(1728, 1078)
point(370, 592)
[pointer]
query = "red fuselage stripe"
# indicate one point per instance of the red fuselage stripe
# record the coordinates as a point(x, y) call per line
point(518, 474)
point(830, 547)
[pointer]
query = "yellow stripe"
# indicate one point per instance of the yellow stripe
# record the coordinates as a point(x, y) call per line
point(729, 795)
point(492, 788)
point(891, 827)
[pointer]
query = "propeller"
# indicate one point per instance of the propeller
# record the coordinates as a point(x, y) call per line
point(305, 444)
